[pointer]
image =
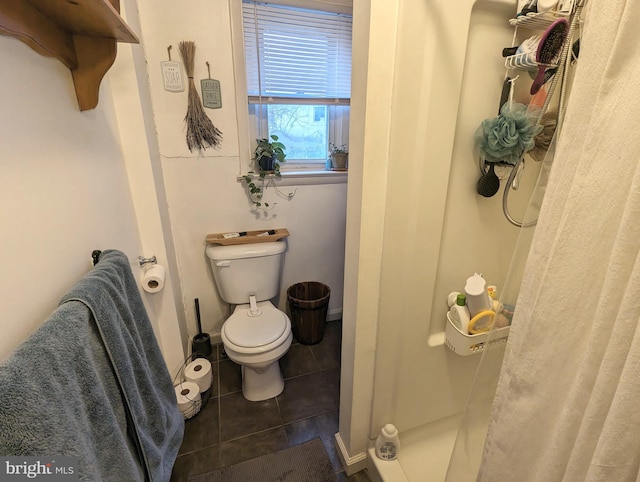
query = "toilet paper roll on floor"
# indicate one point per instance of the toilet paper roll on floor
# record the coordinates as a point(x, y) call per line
point(199, 372)
point(153, 278)
point(188, 396)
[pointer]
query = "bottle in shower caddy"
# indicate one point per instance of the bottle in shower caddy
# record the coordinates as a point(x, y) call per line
point(388, 443)
point(459, 314)
point(477, 297)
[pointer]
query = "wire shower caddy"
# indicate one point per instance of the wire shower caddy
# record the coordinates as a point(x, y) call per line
point(522, 62)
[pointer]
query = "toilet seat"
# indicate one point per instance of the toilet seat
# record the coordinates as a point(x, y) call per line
point(244, 333)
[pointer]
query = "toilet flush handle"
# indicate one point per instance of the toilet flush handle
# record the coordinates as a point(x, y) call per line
point(253, 306)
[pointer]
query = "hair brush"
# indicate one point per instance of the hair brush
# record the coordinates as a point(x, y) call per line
point(548, 49)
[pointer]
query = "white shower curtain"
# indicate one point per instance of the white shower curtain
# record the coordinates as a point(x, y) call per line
point(567, 405)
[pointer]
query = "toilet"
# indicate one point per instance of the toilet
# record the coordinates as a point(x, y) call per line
point(257, 334)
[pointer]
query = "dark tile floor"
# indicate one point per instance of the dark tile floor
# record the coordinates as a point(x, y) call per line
point(230, 429)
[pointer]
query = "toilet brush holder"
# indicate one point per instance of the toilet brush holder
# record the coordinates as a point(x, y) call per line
point(201, 344)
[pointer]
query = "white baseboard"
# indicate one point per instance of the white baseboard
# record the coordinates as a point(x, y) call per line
point(334, 315)
point(351, 464)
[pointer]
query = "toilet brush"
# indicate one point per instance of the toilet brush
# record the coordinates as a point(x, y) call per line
point(201, 344)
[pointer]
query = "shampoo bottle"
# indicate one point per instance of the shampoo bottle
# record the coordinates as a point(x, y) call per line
point(459, 314)
point(388, 443)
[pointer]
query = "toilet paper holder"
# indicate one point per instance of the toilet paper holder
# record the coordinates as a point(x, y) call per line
point(143, 260)
point(95, 257)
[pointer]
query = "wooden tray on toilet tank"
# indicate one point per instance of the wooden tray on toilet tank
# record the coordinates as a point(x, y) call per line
point(251, 237)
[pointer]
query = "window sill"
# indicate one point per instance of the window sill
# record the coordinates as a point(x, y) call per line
point(306, 178)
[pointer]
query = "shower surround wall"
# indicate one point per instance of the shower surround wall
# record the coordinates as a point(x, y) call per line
point(447, 231)
point(444, 69)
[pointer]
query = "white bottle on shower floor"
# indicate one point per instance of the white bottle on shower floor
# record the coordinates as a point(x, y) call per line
point(388, 443)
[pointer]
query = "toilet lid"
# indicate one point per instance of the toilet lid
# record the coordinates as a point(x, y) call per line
point(254, 331)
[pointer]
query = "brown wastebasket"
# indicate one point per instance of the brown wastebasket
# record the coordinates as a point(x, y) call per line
point(308, 305)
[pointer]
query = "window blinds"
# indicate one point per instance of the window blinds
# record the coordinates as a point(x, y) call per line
point(296, 54)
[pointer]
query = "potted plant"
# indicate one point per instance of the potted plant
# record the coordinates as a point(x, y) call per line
point(339, 157)
point(269, 154)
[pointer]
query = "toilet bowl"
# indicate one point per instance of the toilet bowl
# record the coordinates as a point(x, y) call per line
point(256, 336)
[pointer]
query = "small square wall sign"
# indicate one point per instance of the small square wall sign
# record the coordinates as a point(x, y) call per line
point(211, 95)
point(172, 76)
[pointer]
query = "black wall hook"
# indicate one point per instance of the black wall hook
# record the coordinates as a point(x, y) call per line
point(95, 256)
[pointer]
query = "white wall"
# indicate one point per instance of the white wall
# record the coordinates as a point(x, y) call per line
point(130, 87)
point(63, 189)
point(365, 215)
point(202, 190)
point(121, 176)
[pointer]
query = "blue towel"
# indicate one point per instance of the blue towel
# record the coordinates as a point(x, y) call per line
point(92, 383)
point(111, 293)
point(58, 396)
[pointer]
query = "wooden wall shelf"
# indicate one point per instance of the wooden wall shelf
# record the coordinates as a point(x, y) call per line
point(82, 34)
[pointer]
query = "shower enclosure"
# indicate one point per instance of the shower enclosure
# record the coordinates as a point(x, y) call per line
point(445, 74)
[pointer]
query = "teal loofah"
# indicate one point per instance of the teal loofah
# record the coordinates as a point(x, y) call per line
point(507, 137)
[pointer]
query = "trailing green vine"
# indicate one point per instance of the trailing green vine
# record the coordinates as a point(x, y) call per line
point(255, 188)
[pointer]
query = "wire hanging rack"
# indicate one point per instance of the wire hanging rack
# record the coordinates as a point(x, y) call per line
point(542, 21)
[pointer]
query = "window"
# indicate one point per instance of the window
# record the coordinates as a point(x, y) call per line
point(298, 67)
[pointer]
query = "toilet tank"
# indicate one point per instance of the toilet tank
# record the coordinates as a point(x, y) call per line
point(242, 270)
